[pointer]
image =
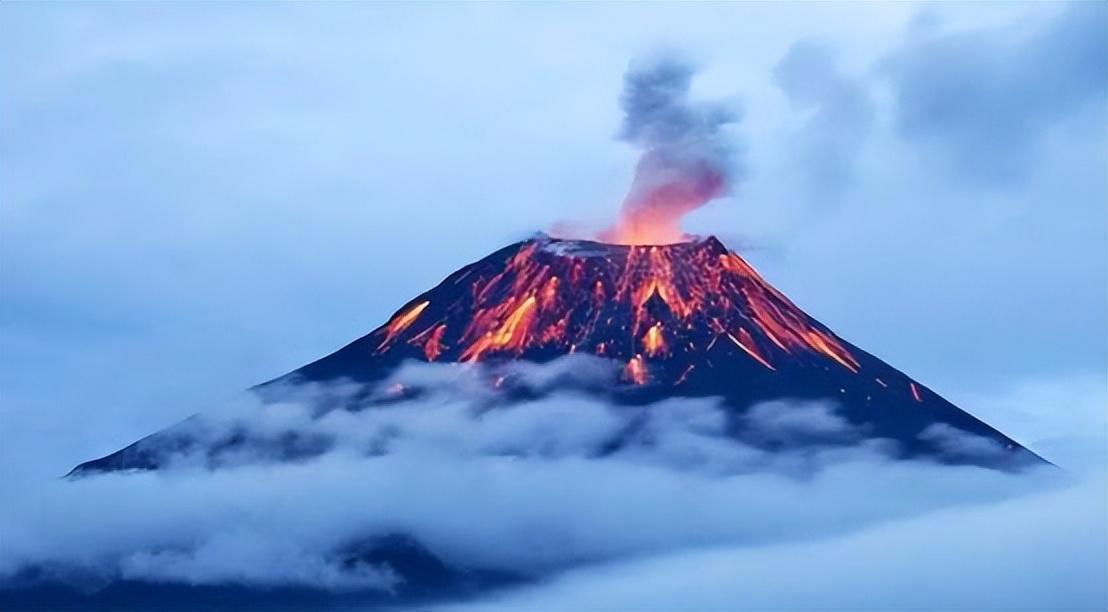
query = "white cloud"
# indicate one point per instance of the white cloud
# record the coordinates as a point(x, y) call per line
point(531, 487)
point(1042, 552)
point(961, 444)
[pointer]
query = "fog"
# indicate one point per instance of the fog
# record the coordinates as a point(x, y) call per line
point(439, 453)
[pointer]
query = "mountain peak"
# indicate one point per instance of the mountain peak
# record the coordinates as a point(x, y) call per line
point(688, 319)
point(545, 297)
point(587, 247)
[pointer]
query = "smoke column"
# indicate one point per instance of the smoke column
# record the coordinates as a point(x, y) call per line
point(686, 160)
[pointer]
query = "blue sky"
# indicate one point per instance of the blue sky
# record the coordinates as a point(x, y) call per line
point(198, 197)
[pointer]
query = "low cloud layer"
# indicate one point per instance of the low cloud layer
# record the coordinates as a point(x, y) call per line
point(532, 488)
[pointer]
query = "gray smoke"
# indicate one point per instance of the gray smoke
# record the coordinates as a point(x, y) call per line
point(686, 160)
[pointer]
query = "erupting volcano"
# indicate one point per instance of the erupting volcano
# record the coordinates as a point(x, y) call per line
point(681, 317)
point(662, 310)
point(689, 319)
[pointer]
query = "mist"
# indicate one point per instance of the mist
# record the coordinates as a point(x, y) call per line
point(486, 484)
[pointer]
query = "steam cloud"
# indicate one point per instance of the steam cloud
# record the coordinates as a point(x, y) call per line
point(527, 487)
point(686, 158)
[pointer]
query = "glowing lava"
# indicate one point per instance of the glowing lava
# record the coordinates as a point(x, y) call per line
point(401, 321)
point(641, 305)
point(654, 343)
point(635, 371)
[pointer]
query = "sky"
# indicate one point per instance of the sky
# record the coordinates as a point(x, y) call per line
point(196, 198)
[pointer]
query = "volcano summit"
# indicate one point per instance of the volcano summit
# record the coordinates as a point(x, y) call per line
point(689, 319)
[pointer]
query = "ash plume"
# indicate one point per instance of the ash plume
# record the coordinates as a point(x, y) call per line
point(686, 159)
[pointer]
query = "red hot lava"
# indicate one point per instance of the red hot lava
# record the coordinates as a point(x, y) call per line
point(643, 305)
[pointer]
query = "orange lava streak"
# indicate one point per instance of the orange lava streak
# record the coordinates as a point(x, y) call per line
point(401, 322)
point(550, 292)
point(512, 334)
point(654, 343)
point(787, 331)
point(737, 265)
point(640, 303)
point(433, 347)
point(635, 371)
point(763, 319)
point(821, 344)
point(915, 392)
point(734, 264)
point(750, 350)
point(649, 272)
point(779, 323)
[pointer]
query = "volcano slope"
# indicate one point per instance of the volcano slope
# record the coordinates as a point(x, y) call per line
point(689, 319)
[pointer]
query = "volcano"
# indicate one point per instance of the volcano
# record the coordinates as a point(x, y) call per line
point(689, 319)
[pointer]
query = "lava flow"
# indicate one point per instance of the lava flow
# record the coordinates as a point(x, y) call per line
point(643, 305)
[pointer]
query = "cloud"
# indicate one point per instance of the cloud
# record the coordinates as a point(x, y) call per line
point(1060, 417)
point(840, 115)
point(959, 444)
point(256, 559)
point(1041, 552)
point(986, 98)
point(791, 421)
point(528, 487)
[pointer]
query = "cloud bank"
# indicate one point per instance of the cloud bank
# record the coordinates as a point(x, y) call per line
point(528, 488)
